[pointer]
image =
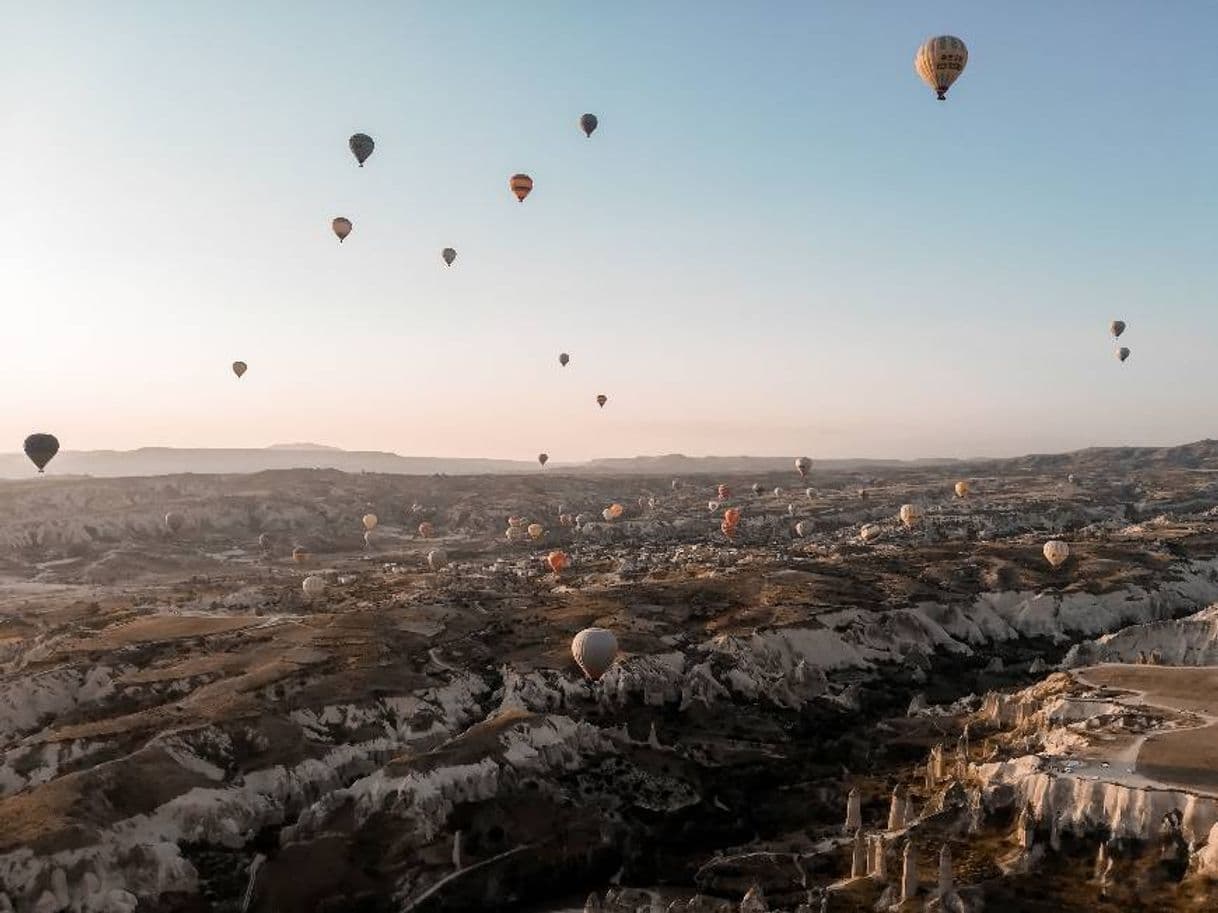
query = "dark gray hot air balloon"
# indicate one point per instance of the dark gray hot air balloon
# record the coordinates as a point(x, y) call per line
point(342, 227)
point(239, 368)
point(1122, 353)
point(601, 400)
point(543, 458)
point(563, 359)
point(361, 147)
point(1117, 328)
point(40, 448)
point(588, 124)
point(449, 255)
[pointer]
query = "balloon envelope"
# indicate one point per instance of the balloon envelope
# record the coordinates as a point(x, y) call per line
point(870, 532)
point(563, 359)
point(536, 531)
point(588, 124)
point(370, 521)
point(426, 529)
point(803, 528)
point(300, 553)
point(521, 185)
point(1056, 552)
point(313, 585)
point(342, 228)
point(1122, 353)
point(543, 458)
point(962, 489)
point(594, 650)
point(558, 561)
point(361, 145)
point(940, 61)
point(1117, 328)
point(437, 558)
point(601, 400)
point(910, 515)
point(449, 255)
point(239, 368)
point(616, 510)
point(802, 466)
point(40, 448)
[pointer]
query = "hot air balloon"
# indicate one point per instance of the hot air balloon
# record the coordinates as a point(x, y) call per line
point(588, 123)
point(910, 515)
point(962, 489)
point(778, 492)
point(361, 147)
point(728, 530)
point(594, 650)
point(300, 554)
point(1117, 328)
point(426, 530)
point(313, 585)
point(870, 532)
point(239, 368)
point(803, 529)
point(802, 466)
point(811, 494)
point(758, 488)
point(370, 521)
point(940, 61)
point(342, 228)
point(1056, 552)
point(515, 534)
point(790, 510)
point(607, 514)
point(724, 492)
point(437, 558)
point(558, 561)
point(449, 255)
point(1122, 353)
point(563, 359)
point(566, 520)
point(712, 506)
point(40, 448)
point(543, 458)
point(536, 531)
point(1070, 478)
point(265, 542)
point(601, 399)
point(521, 185)
point(174, 521)
point(516, 521)
point(731, 516)
point(616, 510)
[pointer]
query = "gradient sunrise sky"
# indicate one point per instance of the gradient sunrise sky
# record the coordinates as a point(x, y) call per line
point(778, 242)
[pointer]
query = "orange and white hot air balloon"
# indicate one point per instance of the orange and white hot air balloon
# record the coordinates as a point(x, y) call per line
point(521, 185)
point(1056, 552)
point(558, 561)
point(940, 61)
point(342, 227)
point(616, 510)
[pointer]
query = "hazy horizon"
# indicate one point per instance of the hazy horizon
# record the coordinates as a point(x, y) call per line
point(777, 242)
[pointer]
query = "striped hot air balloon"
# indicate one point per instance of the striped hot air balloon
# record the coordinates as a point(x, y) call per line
point(940, 61)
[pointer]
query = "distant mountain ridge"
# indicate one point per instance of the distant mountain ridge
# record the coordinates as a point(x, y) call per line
point(151, 461)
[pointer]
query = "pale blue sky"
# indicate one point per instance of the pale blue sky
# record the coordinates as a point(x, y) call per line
point(778, 242)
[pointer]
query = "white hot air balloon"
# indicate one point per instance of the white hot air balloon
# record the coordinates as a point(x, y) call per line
point(712, 506)
point(594, 650)
point(313, 585)
point(778, 492)
point(437, 558)
point(803, 465)
point(1056, 552)
point(607, 514)
point(962, 489)
point(910, 515)
point(811, 493)
point(803, 529)
point(790, 510)
point(940, 61)
point(370, 522)
point(870, 532)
